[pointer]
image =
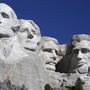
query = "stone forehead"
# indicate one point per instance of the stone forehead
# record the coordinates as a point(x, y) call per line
point(49, 43)
point(83, 43)
point(29, 23)
point(47, 39)
point(80, 37)
point(7, 8)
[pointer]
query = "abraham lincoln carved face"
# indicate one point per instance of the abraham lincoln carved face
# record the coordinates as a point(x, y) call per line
point(81, 56)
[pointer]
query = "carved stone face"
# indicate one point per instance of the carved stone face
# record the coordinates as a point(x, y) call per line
point(81, 56)
point(63, 48)
point(7, 17)
point(50, 50)
point(29, 35)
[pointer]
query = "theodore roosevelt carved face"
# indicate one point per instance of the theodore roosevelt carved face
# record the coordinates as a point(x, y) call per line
point(50, 50)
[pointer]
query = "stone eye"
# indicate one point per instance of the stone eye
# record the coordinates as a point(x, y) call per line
point(34, 32)
point(57, 52)
point(47, 50)
point(85, 50)
point(4, 15)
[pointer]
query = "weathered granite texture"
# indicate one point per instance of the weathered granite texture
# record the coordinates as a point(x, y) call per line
point(7, 85)
point(29, 61)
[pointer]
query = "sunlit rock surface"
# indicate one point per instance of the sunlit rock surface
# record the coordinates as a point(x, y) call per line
point(30, 61)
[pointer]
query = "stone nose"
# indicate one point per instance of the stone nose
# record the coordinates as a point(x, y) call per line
point(54, 54)
point(54, 58)
point(79, 55)
point(1, 17)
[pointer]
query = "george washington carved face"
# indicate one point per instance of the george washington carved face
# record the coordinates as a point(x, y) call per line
point(7, 18)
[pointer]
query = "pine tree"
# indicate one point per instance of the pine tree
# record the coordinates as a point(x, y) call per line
point(79, 84)
point(47, 87)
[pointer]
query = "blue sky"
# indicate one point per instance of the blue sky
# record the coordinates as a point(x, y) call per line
point(56, 18)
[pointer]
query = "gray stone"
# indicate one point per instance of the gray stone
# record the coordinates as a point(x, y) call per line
point(29, 61)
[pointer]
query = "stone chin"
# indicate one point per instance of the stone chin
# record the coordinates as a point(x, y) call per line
point(6, 32)
point(50, 67)
point(83, 69)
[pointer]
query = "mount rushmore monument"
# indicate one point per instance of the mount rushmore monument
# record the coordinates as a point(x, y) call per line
point(30, 61)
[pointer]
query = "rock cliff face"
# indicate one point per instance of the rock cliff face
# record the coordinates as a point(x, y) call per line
point(29, 61)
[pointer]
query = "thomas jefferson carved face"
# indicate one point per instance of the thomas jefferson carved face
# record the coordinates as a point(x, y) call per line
point(29, 35)
point(81, 56)
point(7, 17)
point(50, 50)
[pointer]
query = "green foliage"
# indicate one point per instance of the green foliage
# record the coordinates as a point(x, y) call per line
point(47, 87)
point(23, 88)
point(78, 84)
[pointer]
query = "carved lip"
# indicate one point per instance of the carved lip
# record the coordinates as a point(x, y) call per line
point(29, 41)
point(30, 49)
point(51, 63)
point(4, 35)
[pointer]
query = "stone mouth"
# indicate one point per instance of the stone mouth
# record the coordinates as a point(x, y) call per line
point(30, 49)
point(30, 41)
point(4, 35)
point(51, 63)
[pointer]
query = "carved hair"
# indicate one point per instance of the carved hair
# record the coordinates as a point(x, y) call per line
point(22, 21)
point(3, 6)
point(77, 38)
point(45, 38)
